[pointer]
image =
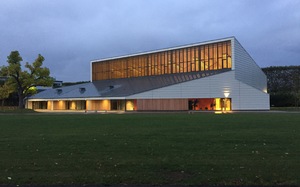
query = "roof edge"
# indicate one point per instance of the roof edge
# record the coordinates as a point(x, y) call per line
point(165, 49)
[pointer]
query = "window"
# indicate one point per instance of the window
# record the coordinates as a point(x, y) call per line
point(213, 56)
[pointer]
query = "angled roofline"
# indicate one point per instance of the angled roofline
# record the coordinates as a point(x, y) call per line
point(122, 87)
point(165, 49)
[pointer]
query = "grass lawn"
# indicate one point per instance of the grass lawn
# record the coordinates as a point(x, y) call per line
point(188, 149)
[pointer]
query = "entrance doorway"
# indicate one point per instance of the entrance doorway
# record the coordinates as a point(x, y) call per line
point(210, 104)
point(117, 104)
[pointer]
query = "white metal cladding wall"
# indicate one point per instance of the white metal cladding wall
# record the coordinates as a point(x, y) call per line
point(243, 96)
point(208, 87)
point(252, 99)
point(246, 69)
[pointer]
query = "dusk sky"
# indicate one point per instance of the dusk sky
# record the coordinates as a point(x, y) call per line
point(69, 34)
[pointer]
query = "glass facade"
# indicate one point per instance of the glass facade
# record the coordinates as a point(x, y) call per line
point(210, 104)
point(39, 105)
point(206, 57)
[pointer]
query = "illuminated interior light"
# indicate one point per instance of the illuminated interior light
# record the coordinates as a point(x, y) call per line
point(226, 94)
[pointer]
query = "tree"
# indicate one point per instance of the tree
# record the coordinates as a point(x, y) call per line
point(22, 81)
point(5, 91)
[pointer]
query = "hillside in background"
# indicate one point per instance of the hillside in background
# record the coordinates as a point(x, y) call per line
point(283, 85)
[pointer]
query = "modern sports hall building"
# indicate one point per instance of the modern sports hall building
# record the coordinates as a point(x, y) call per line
point(212, 75)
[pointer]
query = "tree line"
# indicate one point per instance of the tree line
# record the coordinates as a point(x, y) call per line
point(283, 85)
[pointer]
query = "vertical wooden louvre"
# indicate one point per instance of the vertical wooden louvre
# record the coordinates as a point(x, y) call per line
point(162, 104)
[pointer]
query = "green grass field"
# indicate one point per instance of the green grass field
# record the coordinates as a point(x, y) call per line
point(183, 149)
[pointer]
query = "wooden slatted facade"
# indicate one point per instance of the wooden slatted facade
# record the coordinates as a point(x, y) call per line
point(207, 57)
point(162, 104)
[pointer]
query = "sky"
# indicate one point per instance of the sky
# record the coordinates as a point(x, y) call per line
point(69, 34)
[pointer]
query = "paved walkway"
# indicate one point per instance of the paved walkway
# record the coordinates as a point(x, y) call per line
point(128, 185)
point(139, 112)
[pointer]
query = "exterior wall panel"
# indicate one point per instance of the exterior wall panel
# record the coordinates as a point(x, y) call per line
point(246, 69)
point(243, 96)
point(99, 105)
point(59, 105)
point(252, 99)
point(162, 104)
point(50, 105)
point(208, 87)
point(29, 105)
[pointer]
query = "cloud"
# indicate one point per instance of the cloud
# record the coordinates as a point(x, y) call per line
point(69, 34)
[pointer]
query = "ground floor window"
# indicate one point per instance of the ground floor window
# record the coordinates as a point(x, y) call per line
point(210, 104)
point(117, 104)
point(215, 104)
point(39, 105)
point(125, 105)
